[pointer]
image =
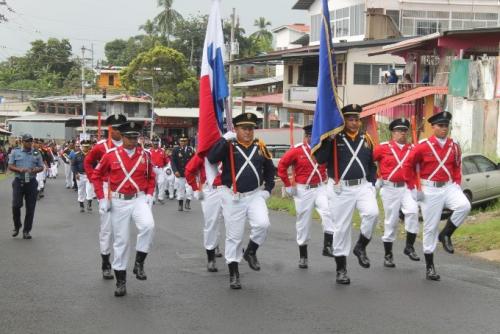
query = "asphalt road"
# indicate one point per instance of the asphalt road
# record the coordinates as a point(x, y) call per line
point(52, 283)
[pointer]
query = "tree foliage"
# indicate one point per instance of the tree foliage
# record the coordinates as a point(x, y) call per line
point(175, 84)
point(46, 66)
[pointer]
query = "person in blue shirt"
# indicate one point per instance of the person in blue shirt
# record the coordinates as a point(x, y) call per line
point(25, 162)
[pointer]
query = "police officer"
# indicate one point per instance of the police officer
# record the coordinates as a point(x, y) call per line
point(85, 189)
point(159, 159)
point(180, 157)
point(211, 205)
point(90, 162)
point(25, 162)
point(352, 175)
point(309, 193)
point(439, 161)
point(395, 192)
point(245, 199)
point(132, 183)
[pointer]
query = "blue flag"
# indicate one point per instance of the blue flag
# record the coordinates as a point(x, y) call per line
point(328, 119)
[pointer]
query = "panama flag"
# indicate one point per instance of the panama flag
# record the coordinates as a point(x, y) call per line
point(213, 88)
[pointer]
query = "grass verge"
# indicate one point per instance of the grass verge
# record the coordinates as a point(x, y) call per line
point(479, 233)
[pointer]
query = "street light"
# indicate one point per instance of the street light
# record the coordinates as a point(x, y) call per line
point(152, 103)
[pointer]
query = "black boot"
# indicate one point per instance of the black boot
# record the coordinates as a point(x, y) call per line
point(181, 205)
point(82, 207)
point(430, 271)
point(89, 205)
point(234, 276)
point(106, 267)
point(342, 277)
point(250, 255)
point(388, 258)
point(360, 251)
point(121, 283)
point(187, 206)
point(409, 249)
point(139, 266)
point(211, 261)
point(445, 236)
point(303, 257)
point(217, 252)
point(327, 244)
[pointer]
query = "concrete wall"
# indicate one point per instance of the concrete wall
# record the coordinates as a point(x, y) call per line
point(45, 130)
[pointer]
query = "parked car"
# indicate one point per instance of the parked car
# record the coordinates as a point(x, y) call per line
point(480, 178)
point(277, 151)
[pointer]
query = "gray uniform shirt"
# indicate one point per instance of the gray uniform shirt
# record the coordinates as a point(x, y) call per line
point(25, 159)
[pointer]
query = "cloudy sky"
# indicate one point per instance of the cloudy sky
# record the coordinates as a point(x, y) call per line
point(98, 21)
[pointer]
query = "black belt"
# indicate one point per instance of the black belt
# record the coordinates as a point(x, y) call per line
point(355, 182)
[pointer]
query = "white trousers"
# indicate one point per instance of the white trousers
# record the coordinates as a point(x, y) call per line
point(105, 230)
point(160, 184)
point(306, 201)
point(54, 168)
point(236, 212)
point(40, 178)
point(85, 188)
point(169, 185)
point(68, 174)
point(342, 205)
point(211, 205)
point(184, 190)
point(122, 213)
point(395, 199)
point(435, 200)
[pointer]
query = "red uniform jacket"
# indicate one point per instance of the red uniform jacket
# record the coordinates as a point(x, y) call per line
point(387, 163)
point(303, 168)
point(158, 157)
point(95, 155)
point(194, 167)
point(110, 167)
point(423, 157)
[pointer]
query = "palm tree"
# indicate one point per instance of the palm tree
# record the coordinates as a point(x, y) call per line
point(262, 39)
point(149, 28)
point(167, 19)
point(262, 33)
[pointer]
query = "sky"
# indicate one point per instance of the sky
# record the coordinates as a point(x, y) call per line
point(87, 22)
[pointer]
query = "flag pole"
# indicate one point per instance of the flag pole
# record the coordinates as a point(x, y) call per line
point(98, 125)
point(291, 146)
point(415, 142)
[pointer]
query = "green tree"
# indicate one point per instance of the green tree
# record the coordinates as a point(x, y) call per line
point(189, 39)
point(175, 84)
point(245, 43)
point(167, 19)
point(262, 38)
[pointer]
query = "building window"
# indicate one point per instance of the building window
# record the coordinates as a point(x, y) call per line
point(290, 74)
point(394, 15)
point(416, 23)
point(348, 21)
point(315, 27)
point(111, 80)
point(339, 73)
point(371, 74)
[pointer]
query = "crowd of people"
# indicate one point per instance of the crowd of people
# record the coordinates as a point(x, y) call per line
point(236, 176)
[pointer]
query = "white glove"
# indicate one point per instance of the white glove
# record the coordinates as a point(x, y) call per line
point(149, 201)
point(291, 191)
point(103, 206)
point(265, 194)
point(379, 184)
point(229, 136)
point(198, 195)
point(420, 196)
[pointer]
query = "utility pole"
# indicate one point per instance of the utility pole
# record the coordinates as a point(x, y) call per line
point(84, 107)
point(84, 110)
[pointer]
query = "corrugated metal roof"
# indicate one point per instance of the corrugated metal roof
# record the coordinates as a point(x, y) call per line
point(303, 4)
point(91, 98)
point(260, 82)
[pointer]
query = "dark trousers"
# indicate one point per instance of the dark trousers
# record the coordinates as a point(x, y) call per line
point(21, 191)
